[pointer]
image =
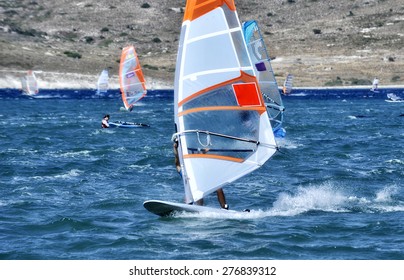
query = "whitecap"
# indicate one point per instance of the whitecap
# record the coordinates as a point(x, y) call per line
point(323, 198)
point(395, 161)
point(70, 174)
point(288, 144)
point(385, 195)
point(79, 154)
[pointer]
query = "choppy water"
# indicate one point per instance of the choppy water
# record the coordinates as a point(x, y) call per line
point(70, 190)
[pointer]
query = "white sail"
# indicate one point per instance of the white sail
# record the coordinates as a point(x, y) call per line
point(221, 122)
point(264, 72)
point(102, 83)
point(287, 85)
point(29, 84)
point(375, 85)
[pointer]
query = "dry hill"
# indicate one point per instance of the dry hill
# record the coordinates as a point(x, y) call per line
point(321, 42)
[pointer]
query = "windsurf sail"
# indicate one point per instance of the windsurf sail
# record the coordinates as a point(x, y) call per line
point(131, 79)
point(102, 83)
point(375, 85)
point(287, 85)
point(29, 83)
point(223, 129)
point(393, 97)
point(264, 72)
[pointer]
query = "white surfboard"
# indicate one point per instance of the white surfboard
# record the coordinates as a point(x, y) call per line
point(166, 208)
point(126, 124)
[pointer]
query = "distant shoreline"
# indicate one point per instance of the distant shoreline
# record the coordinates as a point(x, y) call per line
point(10, 79)
point(349, 87)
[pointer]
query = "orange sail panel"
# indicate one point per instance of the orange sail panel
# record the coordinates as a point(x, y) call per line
point(247, 94)
point(198, 8)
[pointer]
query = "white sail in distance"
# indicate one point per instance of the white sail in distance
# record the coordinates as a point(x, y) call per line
point(29, 84)
point(103, 82)
point(220, 115)
point(375, 85)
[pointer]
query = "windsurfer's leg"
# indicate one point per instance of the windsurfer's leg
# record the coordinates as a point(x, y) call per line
point(222, 199)
point(199, 202)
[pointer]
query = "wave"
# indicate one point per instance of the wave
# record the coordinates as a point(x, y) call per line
point(395, 161)
point(288, 144)
point(324, 198)
point(298, 93)
point(68, 175)
point(79, 94)
point(79, 154)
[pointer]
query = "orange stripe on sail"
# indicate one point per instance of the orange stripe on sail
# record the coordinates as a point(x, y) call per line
point(243, 77)
point(259, 109)
point(138, 70)
point(213, 157)
point(198, 8)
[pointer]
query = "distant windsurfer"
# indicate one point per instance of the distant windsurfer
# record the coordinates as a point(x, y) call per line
point(219, 192)
point(105, 122)
point(375, 84)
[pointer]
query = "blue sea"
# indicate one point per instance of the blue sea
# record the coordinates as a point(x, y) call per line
point(70, 190)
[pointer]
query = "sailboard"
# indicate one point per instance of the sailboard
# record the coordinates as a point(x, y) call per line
point(265, 74)
point(131, 79)
point(375, 85)
point(287, 85)
point(222, 127)
point(120, 124)
point(29, 84)
point(102, 82)
point(167, 208)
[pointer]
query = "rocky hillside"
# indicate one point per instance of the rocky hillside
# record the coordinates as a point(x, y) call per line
point(321, 42)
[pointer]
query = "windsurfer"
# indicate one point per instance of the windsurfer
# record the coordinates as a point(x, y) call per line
point(219, 192)
point(220, 197)
point(104, 122)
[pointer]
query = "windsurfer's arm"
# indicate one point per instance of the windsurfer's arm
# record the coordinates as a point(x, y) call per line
point(177, 160)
